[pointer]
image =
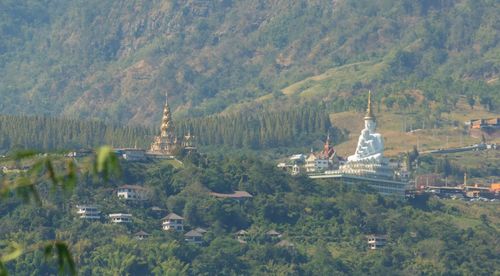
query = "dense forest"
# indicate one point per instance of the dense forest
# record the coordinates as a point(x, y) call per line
point(114, 60)
point(323, 226)
point(299, 127)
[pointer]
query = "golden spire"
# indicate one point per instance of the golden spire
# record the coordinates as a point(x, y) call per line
point(167, 126)
point(369, 112)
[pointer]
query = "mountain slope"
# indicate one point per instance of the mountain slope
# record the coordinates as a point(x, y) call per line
point(114, 60)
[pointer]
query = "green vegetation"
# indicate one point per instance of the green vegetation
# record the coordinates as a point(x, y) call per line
point(114, 60)
point(263, 130)
point(325, 222)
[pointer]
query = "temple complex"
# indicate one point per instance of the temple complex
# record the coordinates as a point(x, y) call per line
point(167, 144)
point(368, 159)
point(367, 165)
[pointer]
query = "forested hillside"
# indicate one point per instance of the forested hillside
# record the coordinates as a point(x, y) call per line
point(113, 60)
point(323, 226)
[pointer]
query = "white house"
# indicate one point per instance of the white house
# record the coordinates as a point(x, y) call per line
point(88, 212)
point(120, 218)
point(173, 222)
point(132, 192)
point(376, 241)
point(316, 163)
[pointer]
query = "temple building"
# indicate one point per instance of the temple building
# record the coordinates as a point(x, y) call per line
point(321, 161)
point(167, 144)
point(367, 165)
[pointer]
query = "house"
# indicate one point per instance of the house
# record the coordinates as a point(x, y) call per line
point(141, 235)
point(194, 237)
point(173, 222)
point(88, 212)
point(120, 218)
point(376, 241)
point(241, 236)
point(132, 192)
point(273, 234)
point(238, 195)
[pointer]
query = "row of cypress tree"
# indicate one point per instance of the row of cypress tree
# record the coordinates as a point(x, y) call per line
point(267, 129)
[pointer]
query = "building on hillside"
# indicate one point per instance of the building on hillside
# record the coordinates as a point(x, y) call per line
point(167, 145)
point(188, 143)
point(141, 235)
point(237, 195)
point(376, 241)
point(495, 188)
point(88, 212)
point(173, 222)
point(132, 192)
point(317, 162)
point(489, 128)
point(194, 237)
point(120, 218)
point(368, 165)
point(273, 234)
point(242, 236)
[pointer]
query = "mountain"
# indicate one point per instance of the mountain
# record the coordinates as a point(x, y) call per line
point(114, 60)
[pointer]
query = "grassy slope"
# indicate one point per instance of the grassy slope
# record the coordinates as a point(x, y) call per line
point(390, 125)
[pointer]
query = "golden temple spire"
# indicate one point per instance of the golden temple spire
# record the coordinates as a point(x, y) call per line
point(167, 126)
point(369, 112)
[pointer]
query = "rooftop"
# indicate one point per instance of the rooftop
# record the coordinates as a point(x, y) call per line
point(172, 216)
point(236, 194)
point(193, 233)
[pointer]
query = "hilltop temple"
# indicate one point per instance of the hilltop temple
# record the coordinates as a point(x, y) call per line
point(367, 165)
point(167, 144)
point(368, 159)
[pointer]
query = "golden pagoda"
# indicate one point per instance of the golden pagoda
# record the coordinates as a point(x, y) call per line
point(166, 143)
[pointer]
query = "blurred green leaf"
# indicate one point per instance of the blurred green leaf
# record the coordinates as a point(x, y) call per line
point(63, 255)
point(106, 163)
point(14, 250)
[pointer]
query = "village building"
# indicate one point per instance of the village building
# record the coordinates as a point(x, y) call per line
point(273, 234)
point(132, 192)
point(376, 241)
point(120, 218)
point(173, 222)
point(237, 195)
point(141, 235)
point(242, 236)
point(318, 162)
point(88, 212)
point(194, 237)
point(487, 128)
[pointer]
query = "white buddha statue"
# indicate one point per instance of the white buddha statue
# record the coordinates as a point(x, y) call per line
point(370, 144)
